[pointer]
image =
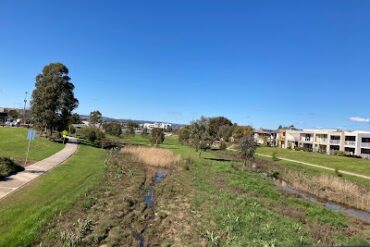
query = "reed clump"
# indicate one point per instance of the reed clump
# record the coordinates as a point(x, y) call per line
point(332, 188)
point(156, 157)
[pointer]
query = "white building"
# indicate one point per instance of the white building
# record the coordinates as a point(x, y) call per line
point(150, 126)
point(327, 141)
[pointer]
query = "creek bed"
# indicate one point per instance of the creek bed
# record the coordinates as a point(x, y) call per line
point(149, 199)
point(359, 214)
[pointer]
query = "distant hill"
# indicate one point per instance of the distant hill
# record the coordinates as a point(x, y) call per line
point(109, 119)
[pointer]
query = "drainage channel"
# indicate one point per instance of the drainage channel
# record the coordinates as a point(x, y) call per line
point(360, 214)
point(149, 200)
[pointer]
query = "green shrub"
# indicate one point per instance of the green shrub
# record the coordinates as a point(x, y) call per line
point(8, 167)
point(109, 144)
point(274, 156)
point(92, 134)
point(339, 153)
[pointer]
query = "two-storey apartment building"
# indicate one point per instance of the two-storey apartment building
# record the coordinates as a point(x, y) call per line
point(327, 141)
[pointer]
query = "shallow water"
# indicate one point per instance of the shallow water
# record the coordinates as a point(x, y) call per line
point(149, 199)
point(362, 215)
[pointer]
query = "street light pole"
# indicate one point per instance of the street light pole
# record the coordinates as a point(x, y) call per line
point(24, 109)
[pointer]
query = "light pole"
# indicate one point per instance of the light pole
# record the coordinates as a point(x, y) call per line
point(24, 109)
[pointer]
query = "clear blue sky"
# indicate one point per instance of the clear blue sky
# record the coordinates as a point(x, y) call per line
point(263, 63)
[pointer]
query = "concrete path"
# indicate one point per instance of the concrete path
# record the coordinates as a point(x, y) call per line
point(318, 166)
point(14, 182)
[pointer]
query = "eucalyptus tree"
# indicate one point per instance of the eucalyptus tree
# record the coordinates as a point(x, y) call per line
point(53, 98)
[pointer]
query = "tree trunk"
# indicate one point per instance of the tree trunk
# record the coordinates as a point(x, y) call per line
point(244, 164)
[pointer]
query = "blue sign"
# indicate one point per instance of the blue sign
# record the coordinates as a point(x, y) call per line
point(31, 134)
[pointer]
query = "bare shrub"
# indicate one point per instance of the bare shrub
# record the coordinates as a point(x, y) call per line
point(152, 156)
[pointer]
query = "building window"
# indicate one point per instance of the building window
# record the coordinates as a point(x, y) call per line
point(365, 151)
point(334, 147)
point(366, 139)
point(351, 138)
point(307, 137)
point(335, 138)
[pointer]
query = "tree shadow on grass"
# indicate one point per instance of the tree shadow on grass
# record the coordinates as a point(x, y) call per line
point(220, 159)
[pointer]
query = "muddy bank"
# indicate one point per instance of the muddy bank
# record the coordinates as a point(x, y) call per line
point(126, 209)
point(113, 214)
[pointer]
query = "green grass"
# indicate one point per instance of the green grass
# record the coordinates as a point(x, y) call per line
point(359, 166)
point(14, 143)
point(246, 208)
point(26, 211)
point(137, 139)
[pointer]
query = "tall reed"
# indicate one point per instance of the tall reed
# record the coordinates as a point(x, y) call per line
point(152, 156)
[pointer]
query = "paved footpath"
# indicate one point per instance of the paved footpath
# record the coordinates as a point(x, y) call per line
point(14, 182)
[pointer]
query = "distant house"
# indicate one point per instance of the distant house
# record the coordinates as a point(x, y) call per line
point(265, 137)
point(150, 126)
point(327, 141)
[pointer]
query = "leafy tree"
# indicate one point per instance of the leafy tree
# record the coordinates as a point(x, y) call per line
point(157, 136)
point(184, 134)
point(113, 128)
point(131, 125)
point(96, 117)
point(145, 132)
point(75, 118)
point(215, 123)
point(92, 134)
point(200, 135)
point(225, 132)
point(240, 131)
point(53, 99)
point(247, 148)
point(14, 114)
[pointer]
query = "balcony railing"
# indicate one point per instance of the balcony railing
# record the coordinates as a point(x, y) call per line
point(365, 144)
point(307, 139)
point(350, 143)
point(334, 141)
point(321, 140)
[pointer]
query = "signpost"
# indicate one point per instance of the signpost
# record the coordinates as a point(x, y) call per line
point(31, 134)
point(64, 135)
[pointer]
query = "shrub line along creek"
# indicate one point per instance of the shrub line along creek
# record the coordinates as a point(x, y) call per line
point(359, 214)
point(149, 199)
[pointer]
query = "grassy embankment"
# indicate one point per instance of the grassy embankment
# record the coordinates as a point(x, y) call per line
point(231, 207)
point(14, 143)
point(360, 166)
point(26, 211)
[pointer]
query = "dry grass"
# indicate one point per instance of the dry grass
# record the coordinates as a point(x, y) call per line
point(333, 188)
point(152, 156)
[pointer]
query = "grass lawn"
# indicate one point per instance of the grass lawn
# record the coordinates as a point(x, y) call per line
point(25, 212)
point(359, 166)
point(245, 208)
point(14, 143)
point(205, 201)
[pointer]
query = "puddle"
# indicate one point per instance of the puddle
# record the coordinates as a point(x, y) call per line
point(149, 195)
point(149, 199)
point(362, 215)
point(159, 176)
point(139, 237)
